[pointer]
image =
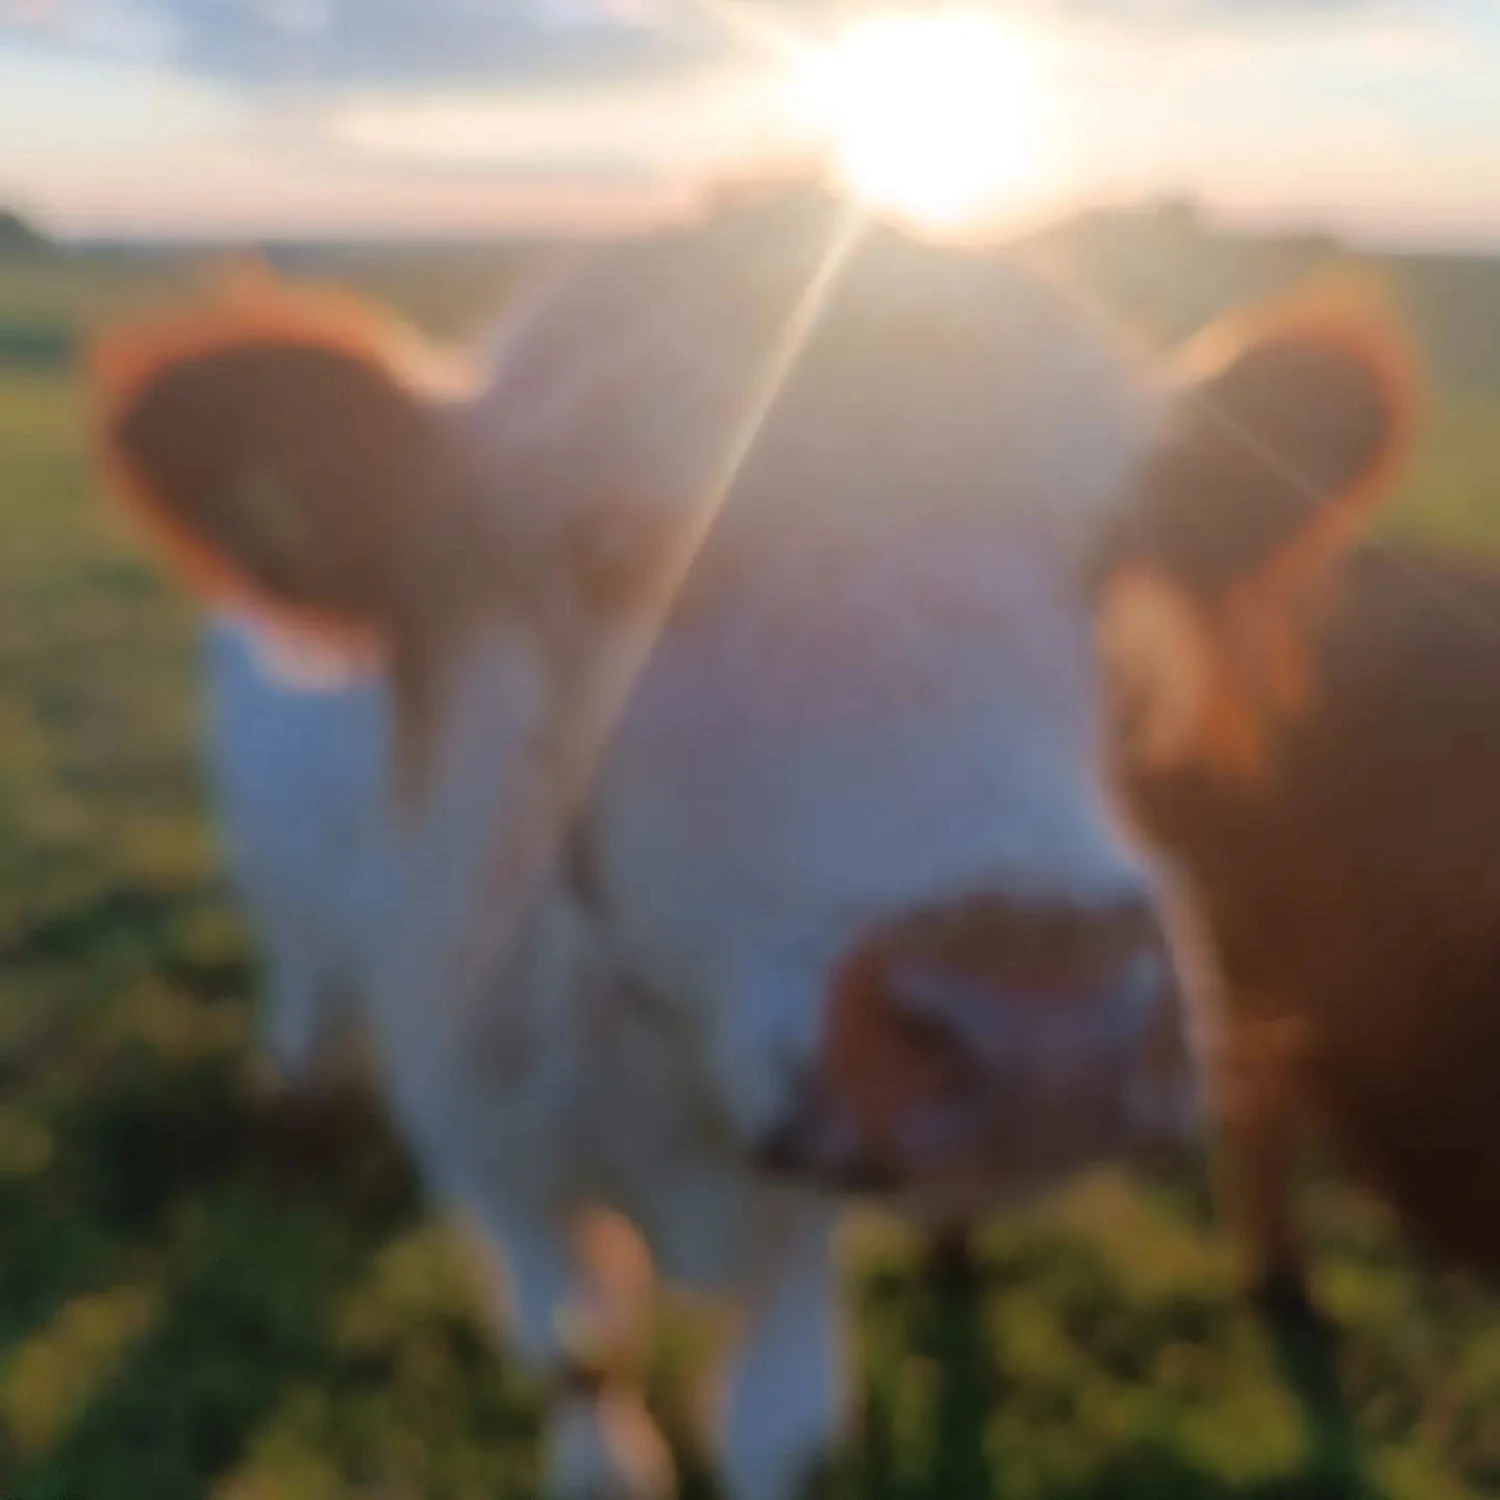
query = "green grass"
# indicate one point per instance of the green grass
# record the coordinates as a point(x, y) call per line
point(183, 1313)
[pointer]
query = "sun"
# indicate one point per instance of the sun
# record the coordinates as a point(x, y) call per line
point(938, 117)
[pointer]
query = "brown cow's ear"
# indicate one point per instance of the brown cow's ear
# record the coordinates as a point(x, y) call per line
point(1285, 429)
point(1285, 426)
point(285, 450)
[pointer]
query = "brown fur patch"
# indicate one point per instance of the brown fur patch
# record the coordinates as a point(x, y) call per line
point(1159, 665)
point(1349, 902)
point(1188, 683)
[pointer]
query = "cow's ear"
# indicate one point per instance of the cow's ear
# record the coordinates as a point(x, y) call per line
point(283, 447)
point(1283, 430)
point(289, 452)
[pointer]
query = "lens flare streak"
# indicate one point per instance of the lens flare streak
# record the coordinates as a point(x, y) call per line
point(586, 723)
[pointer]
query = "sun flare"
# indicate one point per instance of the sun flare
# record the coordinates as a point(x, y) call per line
point(938, 117)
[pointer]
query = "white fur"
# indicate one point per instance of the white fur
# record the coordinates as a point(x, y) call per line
point(874, 693)
point(297, 759)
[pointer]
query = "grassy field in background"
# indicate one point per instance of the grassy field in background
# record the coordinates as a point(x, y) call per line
point(183, 1314)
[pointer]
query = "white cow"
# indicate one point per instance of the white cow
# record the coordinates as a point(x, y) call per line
point(831, 901)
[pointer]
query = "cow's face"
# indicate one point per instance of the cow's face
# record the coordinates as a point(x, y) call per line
point(852, 826)
point(849, 830)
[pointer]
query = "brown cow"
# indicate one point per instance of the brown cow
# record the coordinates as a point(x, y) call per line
point(1306, 731)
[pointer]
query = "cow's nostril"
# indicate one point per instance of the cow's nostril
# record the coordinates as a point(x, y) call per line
point(819, 1143)
point(924, 1033)
point(810, 1136)
point(780, 1151)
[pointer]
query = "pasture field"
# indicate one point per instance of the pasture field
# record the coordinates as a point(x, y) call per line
point(186, 1312)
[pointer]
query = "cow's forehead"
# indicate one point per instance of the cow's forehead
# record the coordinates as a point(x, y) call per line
point(933, 383)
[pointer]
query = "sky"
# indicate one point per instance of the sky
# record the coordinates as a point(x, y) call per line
point(1379, 119)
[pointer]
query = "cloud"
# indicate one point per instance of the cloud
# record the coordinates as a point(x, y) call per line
point(342, 45)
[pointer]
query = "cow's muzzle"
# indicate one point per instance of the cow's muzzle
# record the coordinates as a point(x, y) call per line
point(991, 1043)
